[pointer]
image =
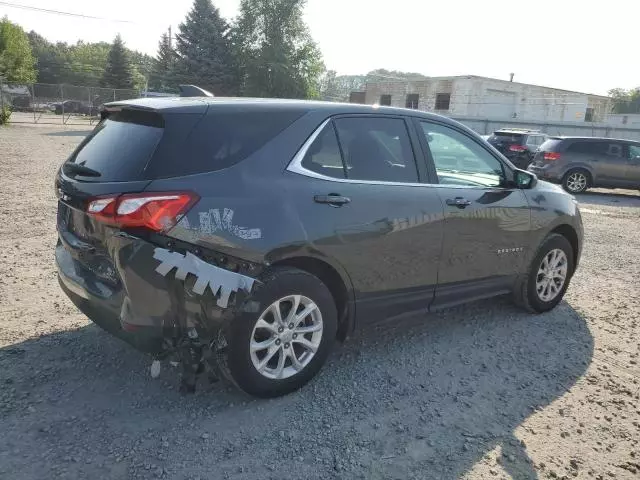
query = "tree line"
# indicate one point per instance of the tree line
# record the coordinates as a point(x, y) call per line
point(625, 101)
point(266, 51)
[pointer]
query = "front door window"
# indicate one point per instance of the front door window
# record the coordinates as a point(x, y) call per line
point(459, 160)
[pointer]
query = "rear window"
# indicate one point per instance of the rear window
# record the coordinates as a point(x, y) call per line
point(120, 145)
point(551, 145)
point(503, 137)
point(220, 140)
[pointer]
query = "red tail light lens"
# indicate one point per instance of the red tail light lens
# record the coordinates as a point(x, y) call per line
point(517, 148)
point(551, 156)
point(154, 211)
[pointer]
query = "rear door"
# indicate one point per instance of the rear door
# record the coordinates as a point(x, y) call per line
point(633, 166)
point(611, 160)
point(362, 205)
point(487, 222)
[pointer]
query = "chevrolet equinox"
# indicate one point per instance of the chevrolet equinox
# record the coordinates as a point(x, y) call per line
point(242, 237)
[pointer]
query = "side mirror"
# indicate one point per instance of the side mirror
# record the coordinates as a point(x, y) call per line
point(524, 180)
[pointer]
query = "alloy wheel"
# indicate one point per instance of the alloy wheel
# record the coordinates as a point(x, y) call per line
point(577, 182)
point(286, 337)
point(552, 275)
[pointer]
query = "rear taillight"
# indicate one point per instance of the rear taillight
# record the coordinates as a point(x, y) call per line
point(154, 211)
point(517, 148)
point(552, 156)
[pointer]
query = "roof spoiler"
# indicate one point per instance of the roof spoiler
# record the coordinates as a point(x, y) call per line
point(194, 91)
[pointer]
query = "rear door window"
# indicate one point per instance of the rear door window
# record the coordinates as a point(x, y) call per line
point(377, 148)
point(120, 146)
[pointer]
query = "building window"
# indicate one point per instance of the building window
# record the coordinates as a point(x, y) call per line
point(357, 97)
point(412, 101)
point(442, 101)
point(385, 100)
point(588, 115)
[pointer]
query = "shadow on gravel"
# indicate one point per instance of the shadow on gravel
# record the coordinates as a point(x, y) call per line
point(421, 398)
point(610, 198)
point(69, 133)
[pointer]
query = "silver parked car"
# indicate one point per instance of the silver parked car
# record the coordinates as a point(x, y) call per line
point(582, 162)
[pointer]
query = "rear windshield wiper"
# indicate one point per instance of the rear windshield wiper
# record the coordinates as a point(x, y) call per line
point(81, 170)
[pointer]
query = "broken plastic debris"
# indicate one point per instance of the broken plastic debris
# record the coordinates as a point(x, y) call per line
point(216, 278)
point(155, 369)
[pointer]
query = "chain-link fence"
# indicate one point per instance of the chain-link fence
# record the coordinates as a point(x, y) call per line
point(54, 103)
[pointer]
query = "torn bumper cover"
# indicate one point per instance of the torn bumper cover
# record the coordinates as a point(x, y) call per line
point(145, 303)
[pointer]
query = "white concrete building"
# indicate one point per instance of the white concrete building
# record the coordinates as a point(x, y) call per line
point(488, 98)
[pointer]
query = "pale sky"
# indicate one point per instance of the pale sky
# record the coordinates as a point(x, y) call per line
point(557, 43)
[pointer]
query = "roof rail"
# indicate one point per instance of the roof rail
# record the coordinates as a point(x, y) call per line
point(194, 91)
point(507, 129)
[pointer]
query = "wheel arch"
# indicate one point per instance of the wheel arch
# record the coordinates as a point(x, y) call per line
point(336, 280)
point(581, 166)
point(571, 235)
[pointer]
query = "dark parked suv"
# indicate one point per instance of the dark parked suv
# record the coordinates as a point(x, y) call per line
point(582, 162)
point(518, 145)
point(243, 236)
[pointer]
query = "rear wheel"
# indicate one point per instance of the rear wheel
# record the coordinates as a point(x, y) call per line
point(281, 347)
point(544, 284)
point(576, 181)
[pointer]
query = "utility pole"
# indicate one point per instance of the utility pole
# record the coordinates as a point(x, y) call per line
point(170, 38)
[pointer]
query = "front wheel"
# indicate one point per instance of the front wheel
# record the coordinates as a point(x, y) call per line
point(284, 343)
point(544, 284)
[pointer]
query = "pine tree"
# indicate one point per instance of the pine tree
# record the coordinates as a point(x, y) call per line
point(278, 57)
point(204, 50)
point(118, 72)
point(162, 76)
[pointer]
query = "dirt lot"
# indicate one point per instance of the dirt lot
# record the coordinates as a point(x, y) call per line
point(483, 391)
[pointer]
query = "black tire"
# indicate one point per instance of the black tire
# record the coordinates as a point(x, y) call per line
point(276, 284)
point(525, 293)
point(569, 176)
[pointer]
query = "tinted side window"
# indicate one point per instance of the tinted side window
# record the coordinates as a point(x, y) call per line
point(614, 150)
point(222, 139)
point(323, 156)
point(459, 160)
point(583, 147)
point(634, 151)
point(377, 148)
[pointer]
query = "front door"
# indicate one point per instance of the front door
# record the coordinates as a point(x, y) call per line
point(362, 205)
point(487, 222)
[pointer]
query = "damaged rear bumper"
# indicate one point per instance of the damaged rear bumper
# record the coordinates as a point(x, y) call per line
point(156, 296)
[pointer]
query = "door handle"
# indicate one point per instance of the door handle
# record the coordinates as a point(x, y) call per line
point(332, 199)
point(458, 202)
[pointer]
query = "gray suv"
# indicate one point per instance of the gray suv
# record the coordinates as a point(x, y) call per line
point(241, 237)
point(582, 162)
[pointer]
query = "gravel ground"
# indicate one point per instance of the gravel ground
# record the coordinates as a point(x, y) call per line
point(481, 391)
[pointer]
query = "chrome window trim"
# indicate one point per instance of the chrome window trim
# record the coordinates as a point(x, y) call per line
point(295, 166)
